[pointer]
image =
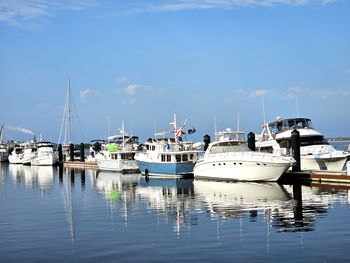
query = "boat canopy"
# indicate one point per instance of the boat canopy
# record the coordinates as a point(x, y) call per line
point(282, 125)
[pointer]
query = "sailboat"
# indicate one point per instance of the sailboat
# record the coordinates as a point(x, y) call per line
point(66, 130)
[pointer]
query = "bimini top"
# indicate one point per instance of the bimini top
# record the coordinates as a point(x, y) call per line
point(281, 125)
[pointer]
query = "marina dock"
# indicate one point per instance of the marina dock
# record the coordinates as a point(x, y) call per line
point(316, 177)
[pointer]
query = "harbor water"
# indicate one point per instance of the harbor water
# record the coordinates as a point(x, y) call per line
point(53, 215)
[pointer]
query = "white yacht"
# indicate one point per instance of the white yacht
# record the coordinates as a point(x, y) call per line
point(229, 158)
point(118, 154)
point(23, 153)
point(45, 155)
point(315, 151)
point(168, 155)
point(16, 155)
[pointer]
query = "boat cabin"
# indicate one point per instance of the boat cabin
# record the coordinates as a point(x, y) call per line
point(282, 125)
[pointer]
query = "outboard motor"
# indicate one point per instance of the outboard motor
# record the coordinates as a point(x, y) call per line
point(206, 140)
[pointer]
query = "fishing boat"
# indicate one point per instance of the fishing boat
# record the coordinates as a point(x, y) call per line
point(229, 158)
point(168, 155)
point(118, 153)
point(315, 151)
point(4, 155)
point(45, 155)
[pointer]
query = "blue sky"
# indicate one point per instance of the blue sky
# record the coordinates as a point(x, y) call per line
point(141, 61)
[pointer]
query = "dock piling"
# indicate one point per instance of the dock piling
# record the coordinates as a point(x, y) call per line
point(82, 155)
point(251, 141)
point(71, 152)
point(295, 143)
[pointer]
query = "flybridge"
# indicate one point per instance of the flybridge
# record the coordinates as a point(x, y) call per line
point(282, 125)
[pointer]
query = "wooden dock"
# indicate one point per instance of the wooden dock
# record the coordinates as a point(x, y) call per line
point(80, 165)
point(316, 177)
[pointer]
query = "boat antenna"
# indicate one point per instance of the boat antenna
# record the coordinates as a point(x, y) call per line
point(297, 105)
point(215, 128)
point(263, 105)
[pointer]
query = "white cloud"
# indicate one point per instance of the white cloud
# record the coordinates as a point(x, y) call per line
point(19, 12)
point(168, 6)
point(20, 129)
point(295, 91)
point(122, 79)
point(322, 94)
point(131, 89)
point(87, 93)
point(258, 93)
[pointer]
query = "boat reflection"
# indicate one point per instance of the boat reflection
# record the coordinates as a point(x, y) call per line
point(33, 177)
point(288, 208)
point(172, 199)
point(231, 199)
point(118, 190)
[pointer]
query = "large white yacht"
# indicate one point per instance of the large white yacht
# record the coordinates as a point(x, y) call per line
point(229, 158)
point(315, 151)
point(118, 153)
point(45, 155)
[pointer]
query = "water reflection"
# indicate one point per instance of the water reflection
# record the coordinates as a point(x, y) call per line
point(171, 199)
point(180, 202)
point(118, 189)
point(33, 177)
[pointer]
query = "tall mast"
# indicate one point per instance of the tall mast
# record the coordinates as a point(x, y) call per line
point(67, 118)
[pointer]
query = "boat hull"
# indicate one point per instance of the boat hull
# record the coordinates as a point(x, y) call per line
point(4, 157)
point(329, 163)
point(124, 166)
point(45, 161)
point(166, 169)
point(240, 170)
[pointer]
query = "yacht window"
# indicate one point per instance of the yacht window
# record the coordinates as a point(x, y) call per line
point(268, 149)
point(147, 146)
point(178, 158)
point(168, 158)
point(191, 156)
point(131, 156)
point(153, 147)
point(123, 156)
point(314, 140)
point(163, 158)
point(291, 123)
point(184, 157)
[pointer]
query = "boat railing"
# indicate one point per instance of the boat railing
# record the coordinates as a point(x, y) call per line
point(317, 150)
point(247, 155)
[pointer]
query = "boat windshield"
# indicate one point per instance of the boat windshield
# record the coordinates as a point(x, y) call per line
point(229, 146)
point(288, 124)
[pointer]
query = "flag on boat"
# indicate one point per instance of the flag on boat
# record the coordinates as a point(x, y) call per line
point(180, 130)
point(190, 131)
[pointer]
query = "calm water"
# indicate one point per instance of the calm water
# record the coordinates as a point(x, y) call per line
point(85, 216)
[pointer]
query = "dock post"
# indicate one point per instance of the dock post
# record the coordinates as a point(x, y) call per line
point(295, 142)
point(71, 152)
point(251, 141)
point(60, 153)
point(82, 155)
point(206, 140)
point(298, 204)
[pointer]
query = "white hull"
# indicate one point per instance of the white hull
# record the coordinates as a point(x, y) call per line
point(45, 160)
point(117, 165)
point(16, 158)
point(323, 163)
point(240, 170)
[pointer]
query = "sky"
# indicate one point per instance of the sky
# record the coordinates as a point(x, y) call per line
point(210, 62)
